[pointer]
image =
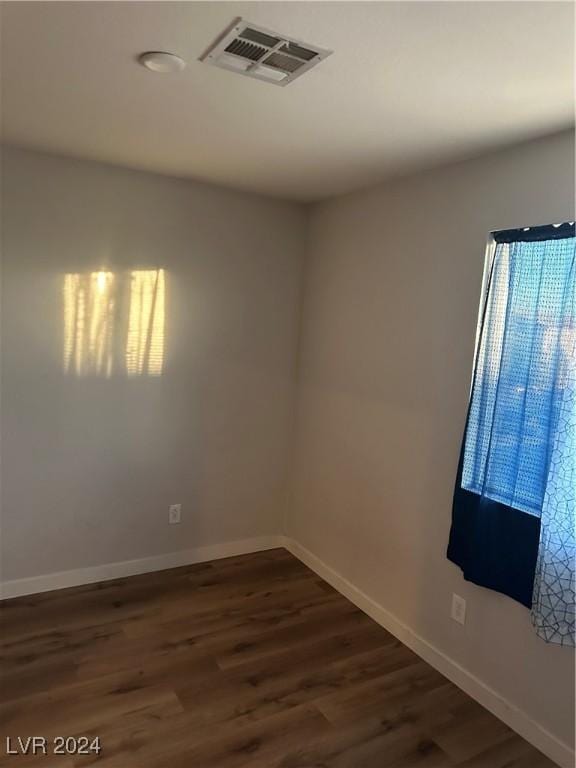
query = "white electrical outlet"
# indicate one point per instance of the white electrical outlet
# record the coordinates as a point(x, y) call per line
point(458, 608)
point(174, 513)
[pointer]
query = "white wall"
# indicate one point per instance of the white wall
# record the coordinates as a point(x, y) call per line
point(90, 464)
point(391, 297)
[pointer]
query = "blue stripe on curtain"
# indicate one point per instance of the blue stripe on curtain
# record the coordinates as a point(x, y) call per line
point(517, 409)
point(531, 234)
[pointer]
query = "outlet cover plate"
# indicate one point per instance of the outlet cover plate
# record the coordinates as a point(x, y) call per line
point(458, 608)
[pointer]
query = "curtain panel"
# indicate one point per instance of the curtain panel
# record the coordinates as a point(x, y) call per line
point(514, 512)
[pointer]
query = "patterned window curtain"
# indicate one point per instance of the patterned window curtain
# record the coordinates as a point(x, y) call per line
point(514, 501)
point(554, 588)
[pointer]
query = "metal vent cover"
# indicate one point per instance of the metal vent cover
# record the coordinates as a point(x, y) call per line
point(262, 54)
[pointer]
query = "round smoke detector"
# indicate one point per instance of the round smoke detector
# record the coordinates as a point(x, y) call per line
point(161, 61)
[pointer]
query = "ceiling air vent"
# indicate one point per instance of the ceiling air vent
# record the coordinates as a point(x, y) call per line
point(257, 52)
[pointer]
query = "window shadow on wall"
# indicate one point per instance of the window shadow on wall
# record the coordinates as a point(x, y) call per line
point(114, 323)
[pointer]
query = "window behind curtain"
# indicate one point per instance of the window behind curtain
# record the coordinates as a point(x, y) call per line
point(524, 354)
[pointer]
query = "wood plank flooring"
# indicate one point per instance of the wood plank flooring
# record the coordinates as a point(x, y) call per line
point(248, 662)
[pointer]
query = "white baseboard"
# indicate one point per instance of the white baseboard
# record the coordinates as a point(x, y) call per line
point(515, 718)
point(79, 576)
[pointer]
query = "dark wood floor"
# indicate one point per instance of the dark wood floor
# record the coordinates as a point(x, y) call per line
point(249, 662)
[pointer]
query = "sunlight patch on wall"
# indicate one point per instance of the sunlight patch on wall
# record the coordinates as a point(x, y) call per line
point(145, 342)
point(88, 323)
point(114, 323)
